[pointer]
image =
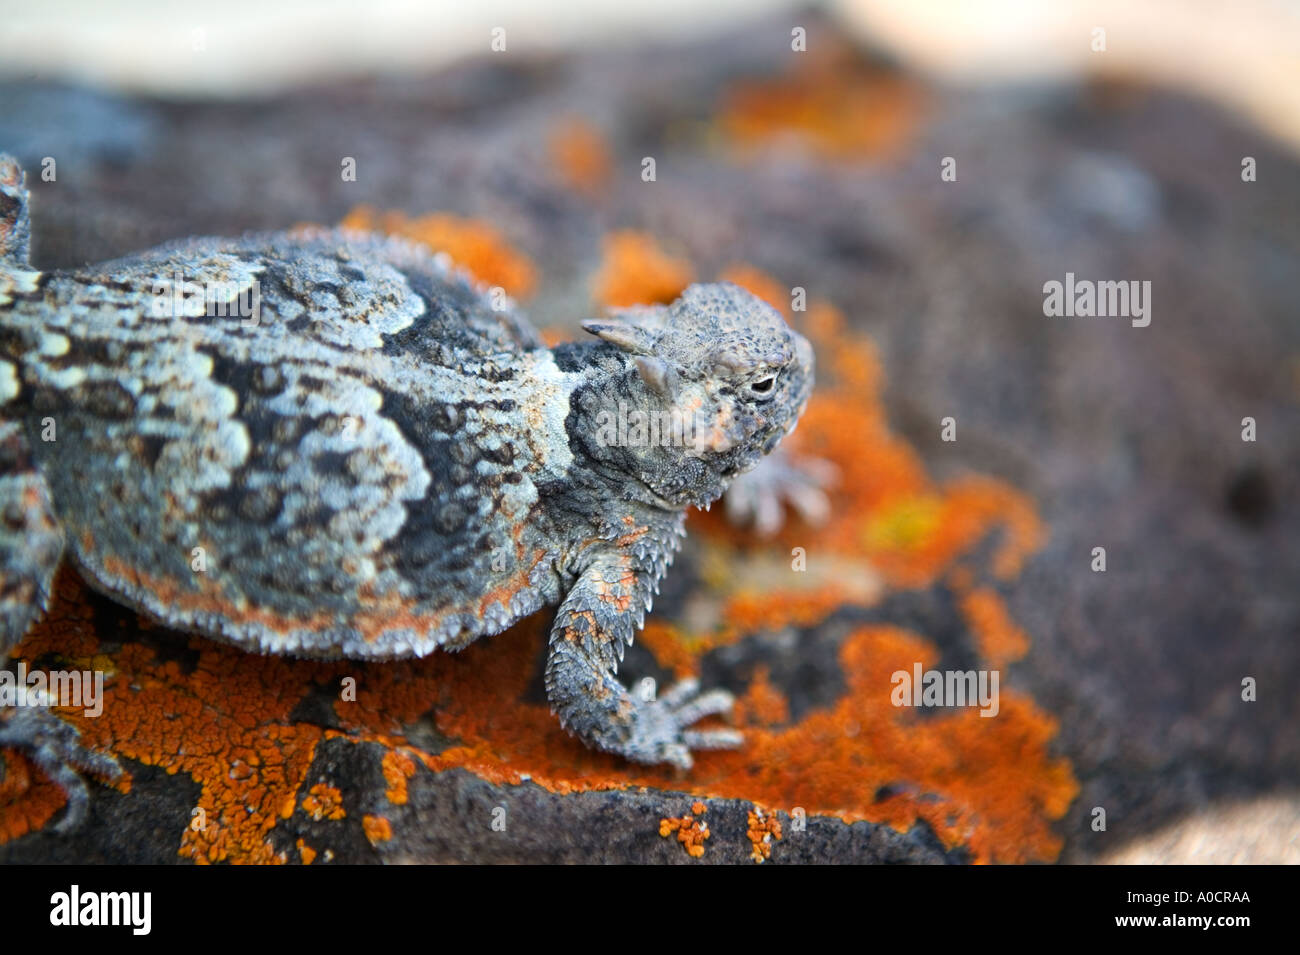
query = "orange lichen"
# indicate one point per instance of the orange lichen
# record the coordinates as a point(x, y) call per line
point(377, 829)
point(762, 832)
point(670, 646)
point(635, 270)
point(757, 282)
point(990, 786)
point(553, 335)
point(580, 155)
point(762, 704)
point(691, 832)
point(833, 103)
point(475, 246)
point(1000, 639)
point(224, 722)
point(323, 802)
point(28, 799)
point(307, 853)
point(398, 767)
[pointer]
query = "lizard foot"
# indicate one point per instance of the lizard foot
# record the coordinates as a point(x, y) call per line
point(659, 728)
point(55, 747)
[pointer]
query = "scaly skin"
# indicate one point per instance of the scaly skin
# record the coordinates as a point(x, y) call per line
point(377, 462)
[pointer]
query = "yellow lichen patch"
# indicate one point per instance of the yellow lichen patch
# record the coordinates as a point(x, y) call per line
point(763, 830)
point(691, 832)
point(832, 104)
point(580, 155)
point(477, 247)
point(635, 270)
point(377, 829)
point(905, 523)
point(323, 802)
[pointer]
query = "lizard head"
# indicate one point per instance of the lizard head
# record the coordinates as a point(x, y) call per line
point(712, 383)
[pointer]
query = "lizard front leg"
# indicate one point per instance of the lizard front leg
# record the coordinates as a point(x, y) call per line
point(596, 621)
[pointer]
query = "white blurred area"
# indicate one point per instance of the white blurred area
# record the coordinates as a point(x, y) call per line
point(236, 47)
point(1263, 832)
point(1245, 54)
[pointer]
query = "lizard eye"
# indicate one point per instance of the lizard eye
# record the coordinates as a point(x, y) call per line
point(763, 386)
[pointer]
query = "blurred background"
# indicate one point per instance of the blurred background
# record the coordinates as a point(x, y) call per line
point(799, 146)
point(1241, 55)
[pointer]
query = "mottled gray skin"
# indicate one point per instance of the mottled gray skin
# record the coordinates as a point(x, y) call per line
point(378, 463)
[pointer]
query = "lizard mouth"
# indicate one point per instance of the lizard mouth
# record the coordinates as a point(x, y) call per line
point(658, 500)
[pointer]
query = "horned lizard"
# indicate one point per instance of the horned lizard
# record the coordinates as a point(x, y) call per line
point(381, 461)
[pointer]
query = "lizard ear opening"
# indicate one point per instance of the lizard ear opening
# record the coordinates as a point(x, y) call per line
point(624, 336)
